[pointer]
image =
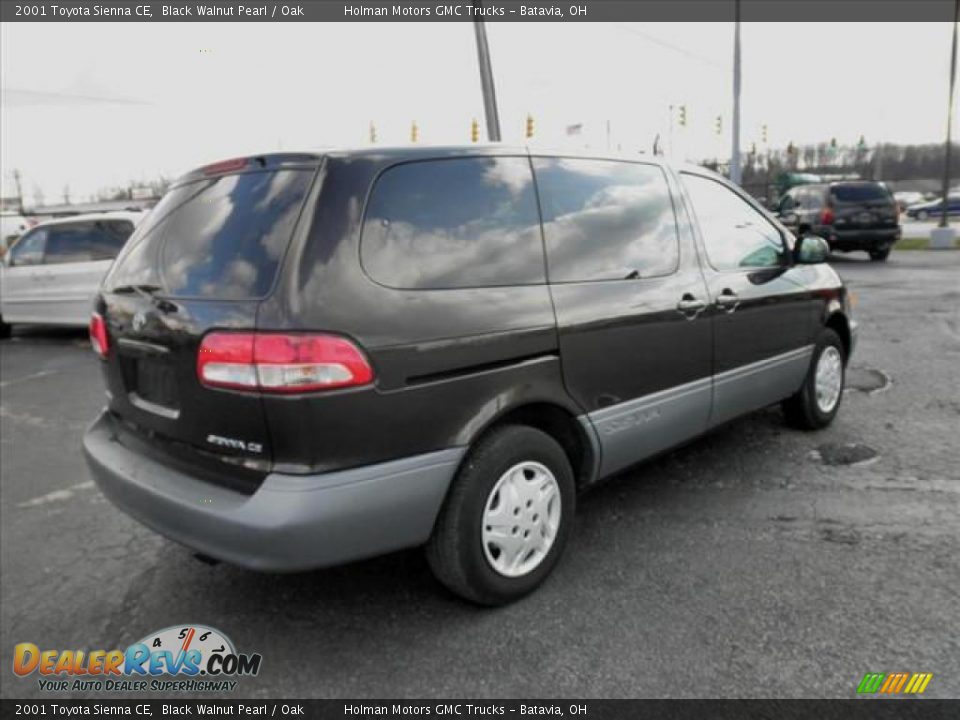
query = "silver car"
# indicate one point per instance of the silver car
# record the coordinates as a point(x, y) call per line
point(51, 273)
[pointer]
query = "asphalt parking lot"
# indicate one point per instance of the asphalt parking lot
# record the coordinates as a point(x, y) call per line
point(758, 561)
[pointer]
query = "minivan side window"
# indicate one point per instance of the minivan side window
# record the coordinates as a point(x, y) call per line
point(735, 234)
point(606, 219)
point(29, 249)
point(453, 223)
point(86, 242)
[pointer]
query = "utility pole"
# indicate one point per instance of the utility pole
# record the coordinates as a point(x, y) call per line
point(735, 174)
point(943, 236)
point(953, 84)
point(486, 77)
point(16, 180)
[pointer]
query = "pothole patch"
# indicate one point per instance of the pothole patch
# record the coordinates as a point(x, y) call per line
point(845, 454)
point(867, 380)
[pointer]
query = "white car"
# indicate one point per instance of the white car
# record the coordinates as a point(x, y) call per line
point(51, 274)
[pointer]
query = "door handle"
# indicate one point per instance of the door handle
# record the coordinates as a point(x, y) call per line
point(689, 306)
point(728, 300)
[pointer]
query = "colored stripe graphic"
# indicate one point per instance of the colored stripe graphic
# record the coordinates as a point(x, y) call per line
point(870, 683)
point(894, 683)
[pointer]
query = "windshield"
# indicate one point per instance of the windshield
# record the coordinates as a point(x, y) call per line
point(221, 237)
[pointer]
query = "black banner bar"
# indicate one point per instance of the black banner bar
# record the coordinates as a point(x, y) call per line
point(860, 709)
point(492, 11)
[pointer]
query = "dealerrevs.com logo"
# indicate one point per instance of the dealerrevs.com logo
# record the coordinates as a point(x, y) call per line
point(181, 658)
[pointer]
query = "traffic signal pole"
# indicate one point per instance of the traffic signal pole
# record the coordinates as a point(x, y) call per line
point(486, 78)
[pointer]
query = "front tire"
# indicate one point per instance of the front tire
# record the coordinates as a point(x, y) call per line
point(507, 517)
point(816, 403)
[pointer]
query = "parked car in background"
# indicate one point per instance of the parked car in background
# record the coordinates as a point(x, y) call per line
point(349, 353)
point(934, 209)
point(51, 274)
point(12, 226)
point(906, 198)
point(850, 215)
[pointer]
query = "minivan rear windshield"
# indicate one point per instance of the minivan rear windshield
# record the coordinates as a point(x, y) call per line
point(221, 237)
point(859, 193)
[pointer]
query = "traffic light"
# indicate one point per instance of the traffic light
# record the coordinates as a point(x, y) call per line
point(529, 132)
point(683, 116)
point(414, 132)
point(763, 133)
point(373, 133)
point(474, 130)
point(718, 125)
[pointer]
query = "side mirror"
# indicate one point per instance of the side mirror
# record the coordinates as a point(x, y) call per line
point(810, 250)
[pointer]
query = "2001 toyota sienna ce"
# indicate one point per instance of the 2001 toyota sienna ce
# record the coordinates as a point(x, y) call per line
point(312, 359)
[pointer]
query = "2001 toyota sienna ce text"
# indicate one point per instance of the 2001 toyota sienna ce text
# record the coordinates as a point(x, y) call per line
point(312, 359)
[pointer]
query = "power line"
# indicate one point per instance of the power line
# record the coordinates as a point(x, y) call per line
point(709, 62)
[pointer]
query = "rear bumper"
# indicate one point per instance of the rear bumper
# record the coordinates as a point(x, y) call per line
point(291, 522)
point(862, 239)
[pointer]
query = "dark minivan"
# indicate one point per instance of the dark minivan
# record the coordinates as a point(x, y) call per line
point(850, 215)
point(312, 359)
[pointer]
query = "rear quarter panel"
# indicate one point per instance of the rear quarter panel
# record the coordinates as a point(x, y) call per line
point(447, 362)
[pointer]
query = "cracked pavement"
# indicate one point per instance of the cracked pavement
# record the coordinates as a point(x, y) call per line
point(741, 565)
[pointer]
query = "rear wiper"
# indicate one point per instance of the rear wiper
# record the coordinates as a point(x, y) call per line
point(144, 291)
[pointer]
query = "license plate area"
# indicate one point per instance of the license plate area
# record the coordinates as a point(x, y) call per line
point(151, 382)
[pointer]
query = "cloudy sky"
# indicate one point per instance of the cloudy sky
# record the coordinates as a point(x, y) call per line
point(93, 105)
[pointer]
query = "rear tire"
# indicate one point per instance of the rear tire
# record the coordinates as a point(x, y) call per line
point(879, 255)
point(4, 329)
point(815, 404)
point(521, 477)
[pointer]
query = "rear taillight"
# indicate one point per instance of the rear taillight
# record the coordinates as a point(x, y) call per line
point(826, 216)
point(278, 363)
point(98, 335)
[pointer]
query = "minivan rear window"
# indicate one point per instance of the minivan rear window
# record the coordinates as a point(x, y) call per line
point(859, 193)
point(220, 238)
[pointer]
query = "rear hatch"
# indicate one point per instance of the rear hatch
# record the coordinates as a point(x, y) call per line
point(203, 260)
point(863, 206)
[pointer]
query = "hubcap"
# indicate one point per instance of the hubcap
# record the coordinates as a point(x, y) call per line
point(520, 519)
point(829, 378)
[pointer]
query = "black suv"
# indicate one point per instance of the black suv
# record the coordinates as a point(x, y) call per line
point(312, 359)
point(851, 215)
